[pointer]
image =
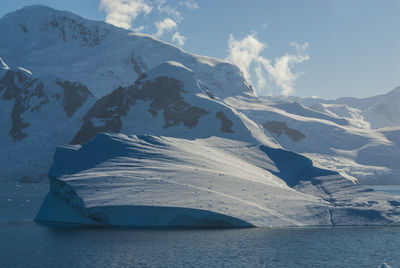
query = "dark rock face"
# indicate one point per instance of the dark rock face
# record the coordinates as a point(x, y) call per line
point(279, 128)
point(68, 28)
point(23, 27)
point(139, 66)
point(109, 109)
point(75, 95)
point(226, 124)
point(164, 95)
point(21, 88)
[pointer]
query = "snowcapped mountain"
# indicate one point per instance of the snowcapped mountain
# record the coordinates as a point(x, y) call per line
point(56, 65)
point(374, 112)
point(192, 144)
point(380, 111)
point(100, 56)
point(337, 134)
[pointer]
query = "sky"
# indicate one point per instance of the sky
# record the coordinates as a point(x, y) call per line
point(322, 48)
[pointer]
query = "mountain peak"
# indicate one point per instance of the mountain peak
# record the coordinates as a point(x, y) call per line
point(32, 10)
point(42, 24)
point(50, 42)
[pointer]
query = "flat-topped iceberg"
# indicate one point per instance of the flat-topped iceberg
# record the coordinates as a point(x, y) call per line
point(155, 181)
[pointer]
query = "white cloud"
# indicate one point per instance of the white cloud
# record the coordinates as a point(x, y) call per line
point(121, 13)
point(299, 47)
point(139, 29)
point(164, 26)
point(261, 79)
point(189, 4)
point(169, 10)
point(245, 53)
point(179, 39)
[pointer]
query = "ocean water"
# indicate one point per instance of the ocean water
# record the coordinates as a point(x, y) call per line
point(24, 243)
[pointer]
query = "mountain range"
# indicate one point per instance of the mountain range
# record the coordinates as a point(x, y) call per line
point(145, 128)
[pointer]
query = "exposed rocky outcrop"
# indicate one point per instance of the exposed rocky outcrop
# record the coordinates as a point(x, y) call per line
point(23, 27)
point(279, 128)
point(75, 95)
point(226, 124)
point(21, 89)
point(139, 65)
point(71, 29)
point(164, 95)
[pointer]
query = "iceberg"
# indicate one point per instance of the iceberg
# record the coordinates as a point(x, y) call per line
point(158, 181)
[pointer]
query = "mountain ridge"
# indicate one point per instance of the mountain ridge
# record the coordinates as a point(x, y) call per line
point(123, 49)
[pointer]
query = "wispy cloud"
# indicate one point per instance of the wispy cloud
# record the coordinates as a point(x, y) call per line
point(171, 23)
point(165, 25)
point(139, 28)
point(172, 11)
point(121, 13)
point(179, 39)
point(300, 48)
point(189, 4)
point(246, 53)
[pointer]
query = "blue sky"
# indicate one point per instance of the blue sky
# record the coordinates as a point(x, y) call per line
point(325, 48)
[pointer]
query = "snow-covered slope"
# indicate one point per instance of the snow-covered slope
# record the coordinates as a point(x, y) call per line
point(380, 111)
point(341, 143)
point(214, 182)
point(36, 116)
point(373, 112)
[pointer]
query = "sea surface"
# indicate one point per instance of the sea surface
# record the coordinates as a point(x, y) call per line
point(24, 243)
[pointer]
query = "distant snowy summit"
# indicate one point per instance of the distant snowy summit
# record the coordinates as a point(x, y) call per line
point(374, 112)
point(363, 142)
point(175, 139)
